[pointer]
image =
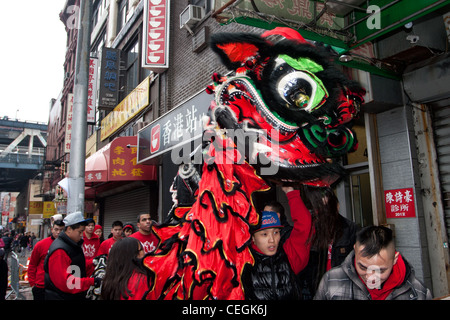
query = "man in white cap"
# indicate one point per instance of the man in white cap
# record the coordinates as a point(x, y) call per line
point(65, 265)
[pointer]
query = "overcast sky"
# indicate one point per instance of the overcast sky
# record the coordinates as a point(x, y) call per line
point(32, 51)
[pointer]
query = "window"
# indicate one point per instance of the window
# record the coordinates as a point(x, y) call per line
point(207, 4)
point(96, 51)
point(132, 68)
point(97, 13)
point(121, 19)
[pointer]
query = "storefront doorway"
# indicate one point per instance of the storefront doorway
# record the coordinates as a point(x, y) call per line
point(361, 202)
point(354, 192)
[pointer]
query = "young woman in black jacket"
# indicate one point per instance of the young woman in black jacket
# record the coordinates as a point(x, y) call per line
point(332, 240)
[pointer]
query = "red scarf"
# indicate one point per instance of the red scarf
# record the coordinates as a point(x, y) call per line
point(396, 278)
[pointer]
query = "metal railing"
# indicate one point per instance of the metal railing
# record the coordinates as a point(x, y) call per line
point(20, 155)
point(15, 278)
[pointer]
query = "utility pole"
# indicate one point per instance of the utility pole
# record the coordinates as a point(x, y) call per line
point(75, 201)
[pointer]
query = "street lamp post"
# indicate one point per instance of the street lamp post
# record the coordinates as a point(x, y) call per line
point(75, 201)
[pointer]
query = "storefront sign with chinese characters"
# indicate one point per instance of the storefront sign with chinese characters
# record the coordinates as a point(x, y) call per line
point(35, 207)
point(400, 203)
point(127, 109)
point(68, 123)
point(156, 35)
point(49, 209)
point(92, 90)
point(182, 125)
point(117, 161)
point(109, 78)
point(123, 161)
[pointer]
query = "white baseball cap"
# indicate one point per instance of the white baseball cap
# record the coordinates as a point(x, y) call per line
point(74, 218)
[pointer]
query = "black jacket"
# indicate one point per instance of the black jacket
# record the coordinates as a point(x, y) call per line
point(271, 278)
point(75, 252)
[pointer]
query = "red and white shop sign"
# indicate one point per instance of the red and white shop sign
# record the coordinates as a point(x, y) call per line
point(400, 203)
point(92, 90)
point(156, 35)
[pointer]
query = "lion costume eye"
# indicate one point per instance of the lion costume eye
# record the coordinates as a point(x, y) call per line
point(297, 89)
point(301, 89)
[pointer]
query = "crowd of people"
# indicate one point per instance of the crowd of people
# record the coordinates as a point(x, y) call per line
point(321, 256)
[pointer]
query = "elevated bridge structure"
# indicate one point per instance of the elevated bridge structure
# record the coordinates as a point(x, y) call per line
point(22, 152)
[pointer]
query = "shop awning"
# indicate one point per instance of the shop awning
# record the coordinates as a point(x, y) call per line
point(117, 161)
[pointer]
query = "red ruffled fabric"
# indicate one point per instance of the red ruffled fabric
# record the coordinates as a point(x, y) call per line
point(204, 257)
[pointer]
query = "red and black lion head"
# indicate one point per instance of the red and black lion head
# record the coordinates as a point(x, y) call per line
point(287, 94)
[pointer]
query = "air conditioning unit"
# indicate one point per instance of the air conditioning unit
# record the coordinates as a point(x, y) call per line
point(191, 15)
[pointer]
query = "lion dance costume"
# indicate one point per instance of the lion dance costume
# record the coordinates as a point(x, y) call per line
point(292, 111)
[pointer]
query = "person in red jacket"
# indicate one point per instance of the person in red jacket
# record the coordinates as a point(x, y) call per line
point(125, 276)
point(98, 230)
point(116, 230)
point(278, 259)
point(36, 266)
point(145, 235)
point(65, 265)
point(91, 242)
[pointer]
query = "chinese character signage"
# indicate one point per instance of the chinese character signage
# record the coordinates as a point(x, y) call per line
point(301, 11)
point(133, 104)
point(156, 35)
point(69, 114)
point(180, 126)
point(49, 209)
point(109, 78)
point(96, 166)
point(400, 203)
point(92, 90)
point(120, 163)
point(123, 161)
point(35, 207)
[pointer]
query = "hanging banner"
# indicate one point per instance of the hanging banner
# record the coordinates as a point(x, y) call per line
point(155, 53)
point(92, 90)
point(400, 203)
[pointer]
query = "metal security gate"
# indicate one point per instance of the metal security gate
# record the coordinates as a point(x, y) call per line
point(125, 207)
point(441, 126)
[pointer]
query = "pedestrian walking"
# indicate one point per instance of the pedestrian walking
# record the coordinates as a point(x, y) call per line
point(24, 240)
point(32, 240)
point(374, 270)
point(8, 241)
point(36, 273)
point(3, 274)
point(125, 277)
point(65, 265)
